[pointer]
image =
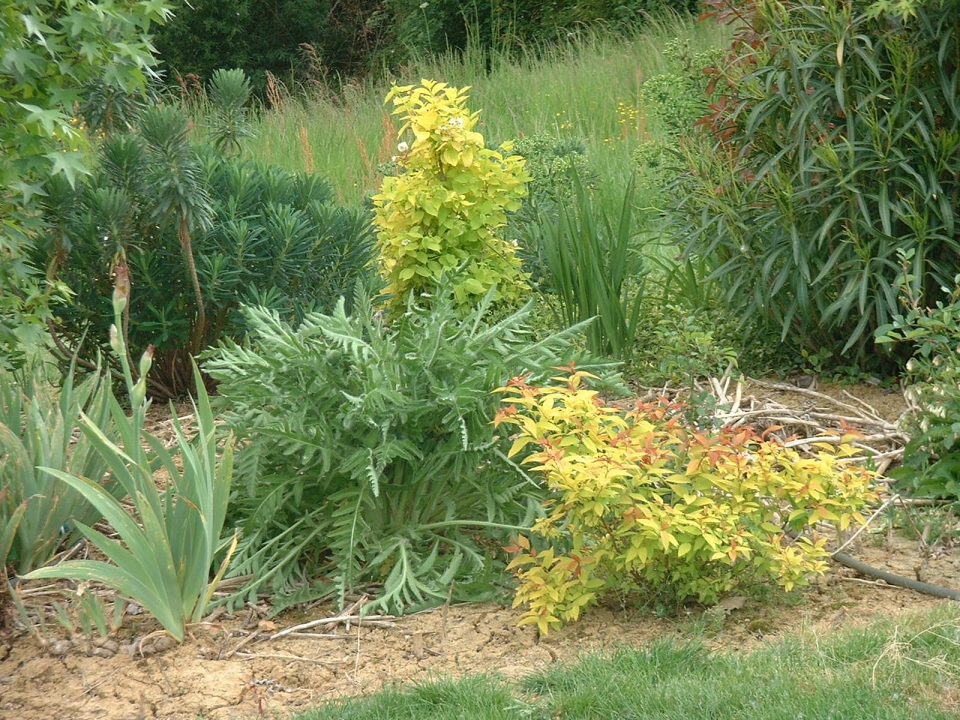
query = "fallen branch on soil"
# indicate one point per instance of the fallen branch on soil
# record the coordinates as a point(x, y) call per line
point(240, 645)
point(872, 583)
point(259, 656)
point(88, 689)
point(349, 615)
point(369, 620)
point(857, 411)
point(322, 636)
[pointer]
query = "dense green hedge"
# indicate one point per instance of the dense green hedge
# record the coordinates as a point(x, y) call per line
point(266, 35)
point(352, 36)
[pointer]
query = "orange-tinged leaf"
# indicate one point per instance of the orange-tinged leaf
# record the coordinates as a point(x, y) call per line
point(666, 539)
point(519, 561)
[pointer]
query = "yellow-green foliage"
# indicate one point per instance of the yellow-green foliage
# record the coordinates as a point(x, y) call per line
point(440, 214)
point(644, 501)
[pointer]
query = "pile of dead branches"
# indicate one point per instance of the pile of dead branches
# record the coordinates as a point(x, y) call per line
point(800, 416)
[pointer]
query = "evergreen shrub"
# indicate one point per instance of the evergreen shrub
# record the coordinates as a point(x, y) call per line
point(256, 233)
point(832, 142)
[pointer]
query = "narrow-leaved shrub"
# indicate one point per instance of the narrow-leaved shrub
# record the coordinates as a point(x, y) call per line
point(273, 237)
point(833, 140)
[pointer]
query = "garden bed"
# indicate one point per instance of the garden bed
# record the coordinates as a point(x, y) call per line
point(241, 666)
point(293, 673)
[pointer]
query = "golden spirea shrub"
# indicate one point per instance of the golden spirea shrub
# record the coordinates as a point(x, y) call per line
point(642, 500)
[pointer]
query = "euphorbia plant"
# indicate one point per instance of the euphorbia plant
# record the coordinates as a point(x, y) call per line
point(643, 501)
point(440, 215)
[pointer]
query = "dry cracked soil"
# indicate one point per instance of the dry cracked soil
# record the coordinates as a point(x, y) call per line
point(229, 668)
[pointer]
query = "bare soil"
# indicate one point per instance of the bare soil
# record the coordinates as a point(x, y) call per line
point(229, 669)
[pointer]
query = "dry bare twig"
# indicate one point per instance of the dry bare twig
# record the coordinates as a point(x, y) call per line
point(259, 656)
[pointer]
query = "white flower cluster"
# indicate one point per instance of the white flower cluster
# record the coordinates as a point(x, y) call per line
point(452, 125)
point(402, 149)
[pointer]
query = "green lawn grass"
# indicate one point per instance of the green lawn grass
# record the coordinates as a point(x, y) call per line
point(902, 669)
point(586, 86)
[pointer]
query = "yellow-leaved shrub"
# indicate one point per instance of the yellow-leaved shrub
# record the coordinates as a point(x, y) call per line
point(440, 214)
point(644, 501)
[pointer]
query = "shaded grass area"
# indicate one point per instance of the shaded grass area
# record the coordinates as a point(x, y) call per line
point(587, 85)
point(892, 670)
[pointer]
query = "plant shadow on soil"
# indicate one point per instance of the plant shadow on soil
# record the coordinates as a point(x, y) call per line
point(290, 674)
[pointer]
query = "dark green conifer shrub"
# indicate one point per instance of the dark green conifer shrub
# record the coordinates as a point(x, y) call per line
point(194, 229)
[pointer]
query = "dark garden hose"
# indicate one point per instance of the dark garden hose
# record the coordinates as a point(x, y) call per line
point(888, 577)
point(893, 579)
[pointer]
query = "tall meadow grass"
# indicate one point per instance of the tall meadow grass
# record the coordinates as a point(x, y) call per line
point(584, 85)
